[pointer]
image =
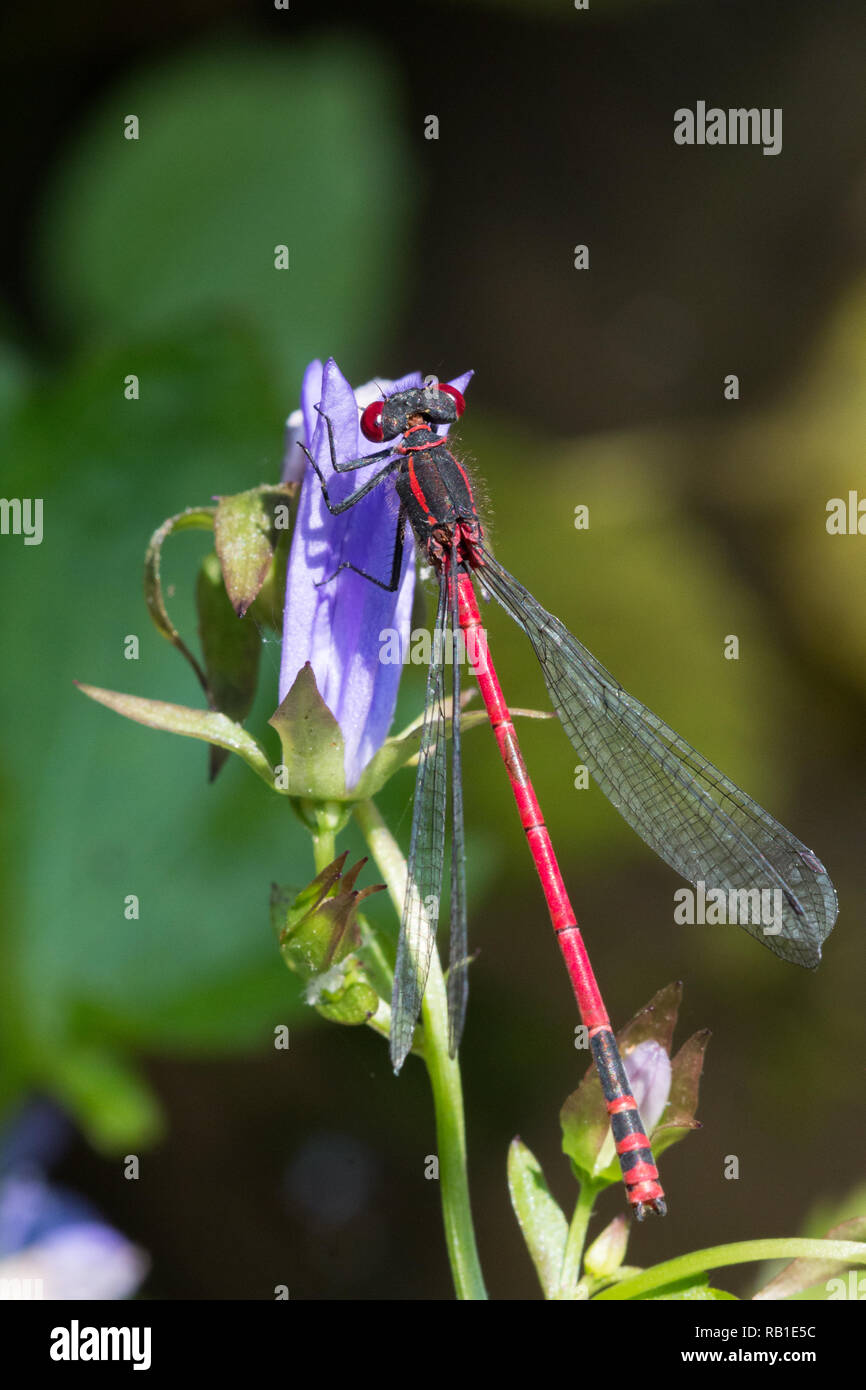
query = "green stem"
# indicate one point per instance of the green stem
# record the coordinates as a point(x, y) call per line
point(570, 1272)
point(717, 1256)
point(324, 848)
point(444, 1073)
point(323, 819)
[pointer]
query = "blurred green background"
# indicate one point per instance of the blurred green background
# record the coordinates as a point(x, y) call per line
point(605, 387)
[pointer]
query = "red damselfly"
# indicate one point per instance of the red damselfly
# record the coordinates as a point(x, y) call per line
point(693, 816)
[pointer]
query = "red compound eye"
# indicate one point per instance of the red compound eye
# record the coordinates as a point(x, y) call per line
point(371, 422)
point(458, 399)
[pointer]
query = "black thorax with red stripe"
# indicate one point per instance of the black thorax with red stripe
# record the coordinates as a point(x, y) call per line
point(437, 495)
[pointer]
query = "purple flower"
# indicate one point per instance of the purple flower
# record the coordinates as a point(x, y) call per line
point(55, 1248)
point(338, 628)
point(53, 1244)
point(648, 1068)
point(665, 1088)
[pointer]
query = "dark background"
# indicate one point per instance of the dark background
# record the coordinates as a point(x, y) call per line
point(602, 387)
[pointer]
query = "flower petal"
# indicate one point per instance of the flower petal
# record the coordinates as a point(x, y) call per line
point(648, 1068)
point(339, 627)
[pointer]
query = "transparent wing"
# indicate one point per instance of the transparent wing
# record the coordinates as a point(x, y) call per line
point(689, 812)
point(426, 856)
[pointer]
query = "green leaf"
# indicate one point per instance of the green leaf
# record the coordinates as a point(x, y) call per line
point(650, 1281)
point(193, 723)
point(194, 518)
point(242, 148)
point(541, 1221)
point(655, 1022)
point(696, 1290)
point(804, 1274)
point(585, 1124)
point(198, 971)
point(112, 1104)
point(686, 1068)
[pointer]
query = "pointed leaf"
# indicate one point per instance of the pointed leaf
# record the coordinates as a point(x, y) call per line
point(207, 725)
point(312, 742)
point(686, 1068)
point(112, 1103)
point(662, 1276)
point(656, 1020)
point(585, 1125)
point(804, 1274)
point(663, 1136)
point(695, 1290)
point(194, 518)
point(544, 1227)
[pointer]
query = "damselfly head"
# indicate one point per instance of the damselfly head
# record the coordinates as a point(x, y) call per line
point(437, 404)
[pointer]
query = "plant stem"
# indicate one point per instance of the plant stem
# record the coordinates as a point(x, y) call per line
point(324, 848)
point(701, 1261)
point(444, 1073)
point(323, 822)
point(576, 1240)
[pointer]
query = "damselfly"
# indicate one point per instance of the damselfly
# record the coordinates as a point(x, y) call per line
point(693, 816)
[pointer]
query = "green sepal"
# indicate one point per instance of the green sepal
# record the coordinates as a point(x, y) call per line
point(319, 935)
point(231, 650)
point(605, 1255)
point(679, 1118)
point(313, 748)
point(343, 995)
point(541, 1220)
point(585, 1124)
point(655, 1022)
point(267, 608)
point(247, 527)
point(193, 519)
point(208, 725)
